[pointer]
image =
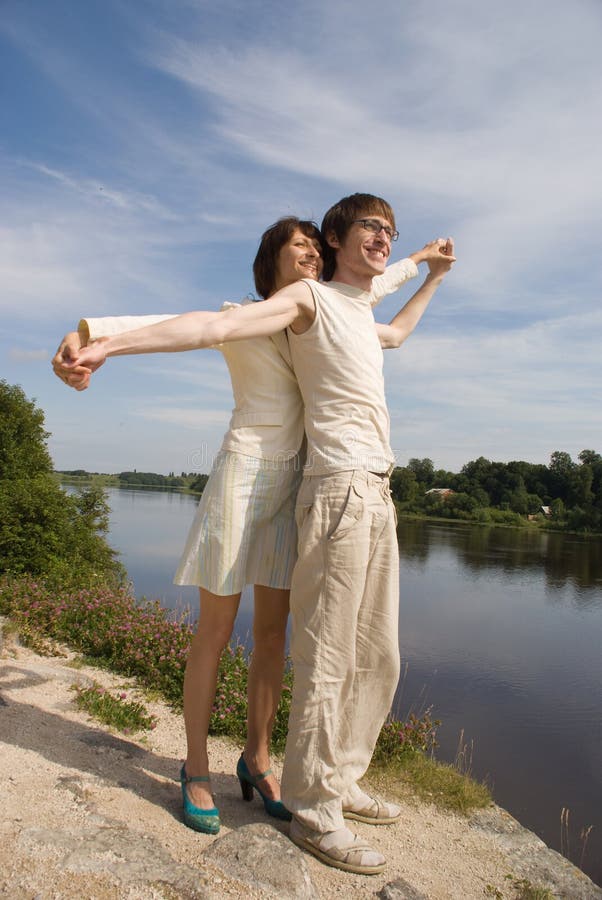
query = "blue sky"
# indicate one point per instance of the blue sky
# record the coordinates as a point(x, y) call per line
point(146, 144)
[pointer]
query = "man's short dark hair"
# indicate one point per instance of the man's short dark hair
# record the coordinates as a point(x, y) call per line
point(340, 217)
point(265, 266)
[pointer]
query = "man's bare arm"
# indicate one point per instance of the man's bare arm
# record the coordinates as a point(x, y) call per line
point(90, 329)
point(403, 324)
point(195, 330)
point(399, 272)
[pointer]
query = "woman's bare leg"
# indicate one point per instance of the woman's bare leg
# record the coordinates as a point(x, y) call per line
point(216, 620)
point(265, 680)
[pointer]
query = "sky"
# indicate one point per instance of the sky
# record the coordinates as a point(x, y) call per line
point(145, 145)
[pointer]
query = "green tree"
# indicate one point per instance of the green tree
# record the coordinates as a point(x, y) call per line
point(43, 530)
point(561, 468)
point(460, 506)
point(589, 457)
point(558, 510)
point(534, 504)
point(581, 480)
point(480, 496)
point(23, 452)
point(404, 486)
point(424, 471)
point(198, 485)
point(477, 470)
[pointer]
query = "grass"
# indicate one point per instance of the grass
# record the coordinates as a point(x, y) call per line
point(527, 891)
point(114, 710)
point(112, 631)
point(565, 838)
point(522, 889)
point(32, 638)
point(435, 782)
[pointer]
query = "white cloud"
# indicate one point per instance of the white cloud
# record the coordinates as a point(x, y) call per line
point(59, 254)
point(98, 193)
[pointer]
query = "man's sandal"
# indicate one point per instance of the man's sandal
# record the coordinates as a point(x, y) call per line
point(372, 811)
point(341, 849)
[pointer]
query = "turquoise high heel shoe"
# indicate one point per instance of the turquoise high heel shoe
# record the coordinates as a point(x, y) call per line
point(205, 820)
point(275, 808)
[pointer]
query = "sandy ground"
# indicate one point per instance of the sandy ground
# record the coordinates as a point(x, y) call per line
point(69, 787)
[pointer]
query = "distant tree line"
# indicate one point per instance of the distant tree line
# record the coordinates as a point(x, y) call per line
point(190, 481)
point(509, 493)
point(564, 494)
point(152, 479)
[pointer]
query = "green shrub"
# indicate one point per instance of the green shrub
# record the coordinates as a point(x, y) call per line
point(45, 532)
point(397, 738)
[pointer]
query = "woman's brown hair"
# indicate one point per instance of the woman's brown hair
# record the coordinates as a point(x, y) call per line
point(272, 241)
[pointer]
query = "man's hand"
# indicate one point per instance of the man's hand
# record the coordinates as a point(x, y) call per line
point(439, 257)
point(65, 363)
point(441, 262)
point(91, 357)
point(435, 252)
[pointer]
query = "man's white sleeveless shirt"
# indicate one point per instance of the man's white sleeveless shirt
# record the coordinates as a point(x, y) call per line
point(339, 366)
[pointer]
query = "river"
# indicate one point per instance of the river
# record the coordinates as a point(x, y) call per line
point(500, 633)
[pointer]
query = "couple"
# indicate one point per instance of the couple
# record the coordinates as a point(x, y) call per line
point(310, 358)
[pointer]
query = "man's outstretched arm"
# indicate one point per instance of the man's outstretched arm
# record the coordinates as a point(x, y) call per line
point(403, 324)
point(195, 330)
point(399, 272)
point(90, 329)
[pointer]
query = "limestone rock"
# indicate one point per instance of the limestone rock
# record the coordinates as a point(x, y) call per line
point(531, 859)
point(400, 889)
point(263, 858)
point(127, 857)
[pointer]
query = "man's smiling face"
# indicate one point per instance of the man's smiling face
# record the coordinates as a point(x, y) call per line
point(365, 250)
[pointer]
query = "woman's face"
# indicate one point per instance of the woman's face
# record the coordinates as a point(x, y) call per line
point(300, 257)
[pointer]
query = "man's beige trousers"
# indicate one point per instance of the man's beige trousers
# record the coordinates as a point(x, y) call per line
point(344, 644)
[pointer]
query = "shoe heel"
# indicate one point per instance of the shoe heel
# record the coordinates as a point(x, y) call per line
point(246, 788)
point(248, 783)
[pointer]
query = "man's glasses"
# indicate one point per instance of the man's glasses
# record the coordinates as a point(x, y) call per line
point(376, 227)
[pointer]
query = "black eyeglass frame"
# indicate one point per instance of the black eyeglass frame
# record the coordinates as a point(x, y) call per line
point(376, 227)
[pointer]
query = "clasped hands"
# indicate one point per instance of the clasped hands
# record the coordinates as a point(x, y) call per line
point(75, 361)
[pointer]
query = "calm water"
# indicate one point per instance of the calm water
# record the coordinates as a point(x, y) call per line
point(500, 632)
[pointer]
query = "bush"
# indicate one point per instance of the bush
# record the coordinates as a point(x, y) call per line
point(110, 628)
point(397, 739)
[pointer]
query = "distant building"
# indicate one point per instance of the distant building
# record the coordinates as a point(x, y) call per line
point(546, 510)
point(443, 492)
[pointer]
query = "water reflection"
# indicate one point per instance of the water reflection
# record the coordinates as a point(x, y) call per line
point(567, 561)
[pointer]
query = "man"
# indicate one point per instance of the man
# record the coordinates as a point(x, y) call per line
point(344, 597)
point(344, 593)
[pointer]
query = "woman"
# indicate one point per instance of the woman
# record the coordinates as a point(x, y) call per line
point(244, 530)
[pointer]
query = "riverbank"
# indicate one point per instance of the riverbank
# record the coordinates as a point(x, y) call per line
point(88, 813)
point(522, 523)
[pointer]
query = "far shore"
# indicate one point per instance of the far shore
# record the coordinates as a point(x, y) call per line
point(100, 480)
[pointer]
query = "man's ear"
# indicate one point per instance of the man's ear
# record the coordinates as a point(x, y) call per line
point(333, 241)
